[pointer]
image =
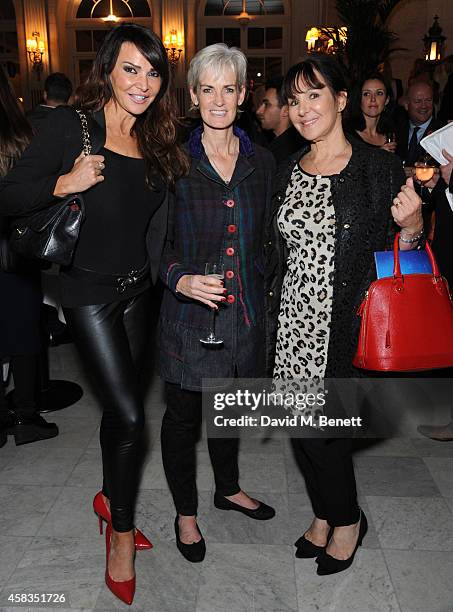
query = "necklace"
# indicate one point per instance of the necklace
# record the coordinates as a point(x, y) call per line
point(319, 175)
point(225, 179)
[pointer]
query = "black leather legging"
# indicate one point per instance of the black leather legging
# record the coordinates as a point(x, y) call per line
point(111, 339)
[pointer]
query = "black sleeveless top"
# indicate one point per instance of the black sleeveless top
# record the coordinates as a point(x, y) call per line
point(112, 236)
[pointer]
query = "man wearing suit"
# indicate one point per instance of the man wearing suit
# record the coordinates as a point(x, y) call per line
point(57, 91)
point(442, 195)
point(273, 115)
point(418, 123)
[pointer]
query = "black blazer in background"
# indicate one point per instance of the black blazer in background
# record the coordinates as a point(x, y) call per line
point(443, 229)
point(39, 115)
point(402, 135)
point(30, 184)
point(286, 144)
point(446, 106)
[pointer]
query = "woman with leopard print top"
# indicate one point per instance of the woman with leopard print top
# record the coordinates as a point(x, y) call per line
point(337, 203)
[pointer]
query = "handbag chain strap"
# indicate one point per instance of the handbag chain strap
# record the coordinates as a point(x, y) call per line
point(85, 133)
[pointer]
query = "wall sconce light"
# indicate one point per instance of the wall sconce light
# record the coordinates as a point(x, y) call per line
point(35, 50)
point(174, 45)
point(434, 42)
point(311, 38)
point(326, 40)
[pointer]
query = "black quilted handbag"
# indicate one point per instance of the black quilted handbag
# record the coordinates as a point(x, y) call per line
point(52, 233)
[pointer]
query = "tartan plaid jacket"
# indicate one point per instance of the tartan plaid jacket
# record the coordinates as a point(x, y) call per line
point(211, 221)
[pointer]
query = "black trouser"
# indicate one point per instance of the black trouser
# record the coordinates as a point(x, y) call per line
point(24, 369)
point(329, 475)
point(111, 339)
point(180, 432)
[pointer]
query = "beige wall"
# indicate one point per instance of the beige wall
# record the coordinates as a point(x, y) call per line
point(411, 21)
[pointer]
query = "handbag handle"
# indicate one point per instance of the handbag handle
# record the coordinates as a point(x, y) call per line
point(396, 259)
point(85, 133)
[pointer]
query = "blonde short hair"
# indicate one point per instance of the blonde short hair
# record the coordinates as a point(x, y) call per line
point(217, 57)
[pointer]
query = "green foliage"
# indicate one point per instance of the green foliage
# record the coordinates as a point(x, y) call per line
point(369, 41)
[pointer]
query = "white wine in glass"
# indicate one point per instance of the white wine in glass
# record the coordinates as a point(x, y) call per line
point(424, 172)
point(217, 271)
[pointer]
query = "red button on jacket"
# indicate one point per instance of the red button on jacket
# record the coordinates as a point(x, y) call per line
point(230, 251)
point(231, 229)
point(231, 299)
point(230, 203)
point(229, 274)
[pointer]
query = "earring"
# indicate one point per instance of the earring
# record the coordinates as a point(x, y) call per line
point(195, 104)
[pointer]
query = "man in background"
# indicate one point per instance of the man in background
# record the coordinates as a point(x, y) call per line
point(418, 122)
point(57, 91)
point(273, 115)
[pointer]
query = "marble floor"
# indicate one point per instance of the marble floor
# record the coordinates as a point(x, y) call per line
point(50, 542)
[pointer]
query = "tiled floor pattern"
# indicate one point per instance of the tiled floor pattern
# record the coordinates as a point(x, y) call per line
point(50, 543)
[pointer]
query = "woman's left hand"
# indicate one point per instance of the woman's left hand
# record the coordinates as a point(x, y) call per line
point(389, 146)
point(407, 209)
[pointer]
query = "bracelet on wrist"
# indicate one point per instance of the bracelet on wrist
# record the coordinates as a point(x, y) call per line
point(412, 240)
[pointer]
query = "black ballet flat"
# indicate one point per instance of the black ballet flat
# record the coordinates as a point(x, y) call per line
point(308, 550)
point(329, 565)
point(195, 552)
point(262, 513)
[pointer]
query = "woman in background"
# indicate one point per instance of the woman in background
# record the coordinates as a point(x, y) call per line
point(20, 303)
point(370, 113)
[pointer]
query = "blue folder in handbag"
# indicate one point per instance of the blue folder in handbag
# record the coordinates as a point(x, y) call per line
point(412, 262)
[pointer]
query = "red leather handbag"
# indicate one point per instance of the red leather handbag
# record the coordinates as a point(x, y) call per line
point(407, 321)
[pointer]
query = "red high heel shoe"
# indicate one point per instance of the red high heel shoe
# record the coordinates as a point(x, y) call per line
point(103, 512)
point(124, 589)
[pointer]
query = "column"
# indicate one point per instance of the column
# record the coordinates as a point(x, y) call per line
point(35, 21)
point(173, 19)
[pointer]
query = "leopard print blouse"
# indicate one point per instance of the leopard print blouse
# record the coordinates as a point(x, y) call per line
point(306, 220)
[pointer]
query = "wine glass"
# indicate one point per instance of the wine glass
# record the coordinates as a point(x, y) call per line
point(390, 137)
point(424, 172)
point(217, 271)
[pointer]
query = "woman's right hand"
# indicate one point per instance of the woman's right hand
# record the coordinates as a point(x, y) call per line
point(86, 172)
point(205, 289)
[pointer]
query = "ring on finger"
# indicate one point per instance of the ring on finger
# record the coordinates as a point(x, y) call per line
point(397, 202)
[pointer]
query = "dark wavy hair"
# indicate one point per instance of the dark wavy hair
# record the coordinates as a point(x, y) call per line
point(354, 115)
point(156, 128)
point(15, 131)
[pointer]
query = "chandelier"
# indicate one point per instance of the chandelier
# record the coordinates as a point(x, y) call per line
point(111, 17)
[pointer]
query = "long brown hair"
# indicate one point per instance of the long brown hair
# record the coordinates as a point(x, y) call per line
point(15, 131)
point(156, 128)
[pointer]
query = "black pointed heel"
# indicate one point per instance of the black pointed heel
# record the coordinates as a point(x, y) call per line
point(329, 565)
point(195, 552)
point(308, 550)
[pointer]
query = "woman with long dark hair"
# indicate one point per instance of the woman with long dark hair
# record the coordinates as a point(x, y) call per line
point(106, 291)
point(20, 304)
point(370, 113)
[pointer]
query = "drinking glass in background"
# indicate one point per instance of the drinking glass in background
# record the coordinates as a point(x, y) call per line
point(217, 271)
point(390, 137)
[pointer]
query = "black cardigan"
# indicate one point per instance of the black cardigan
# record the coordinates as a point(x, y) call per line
point(29, 186)
point(362, 196)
